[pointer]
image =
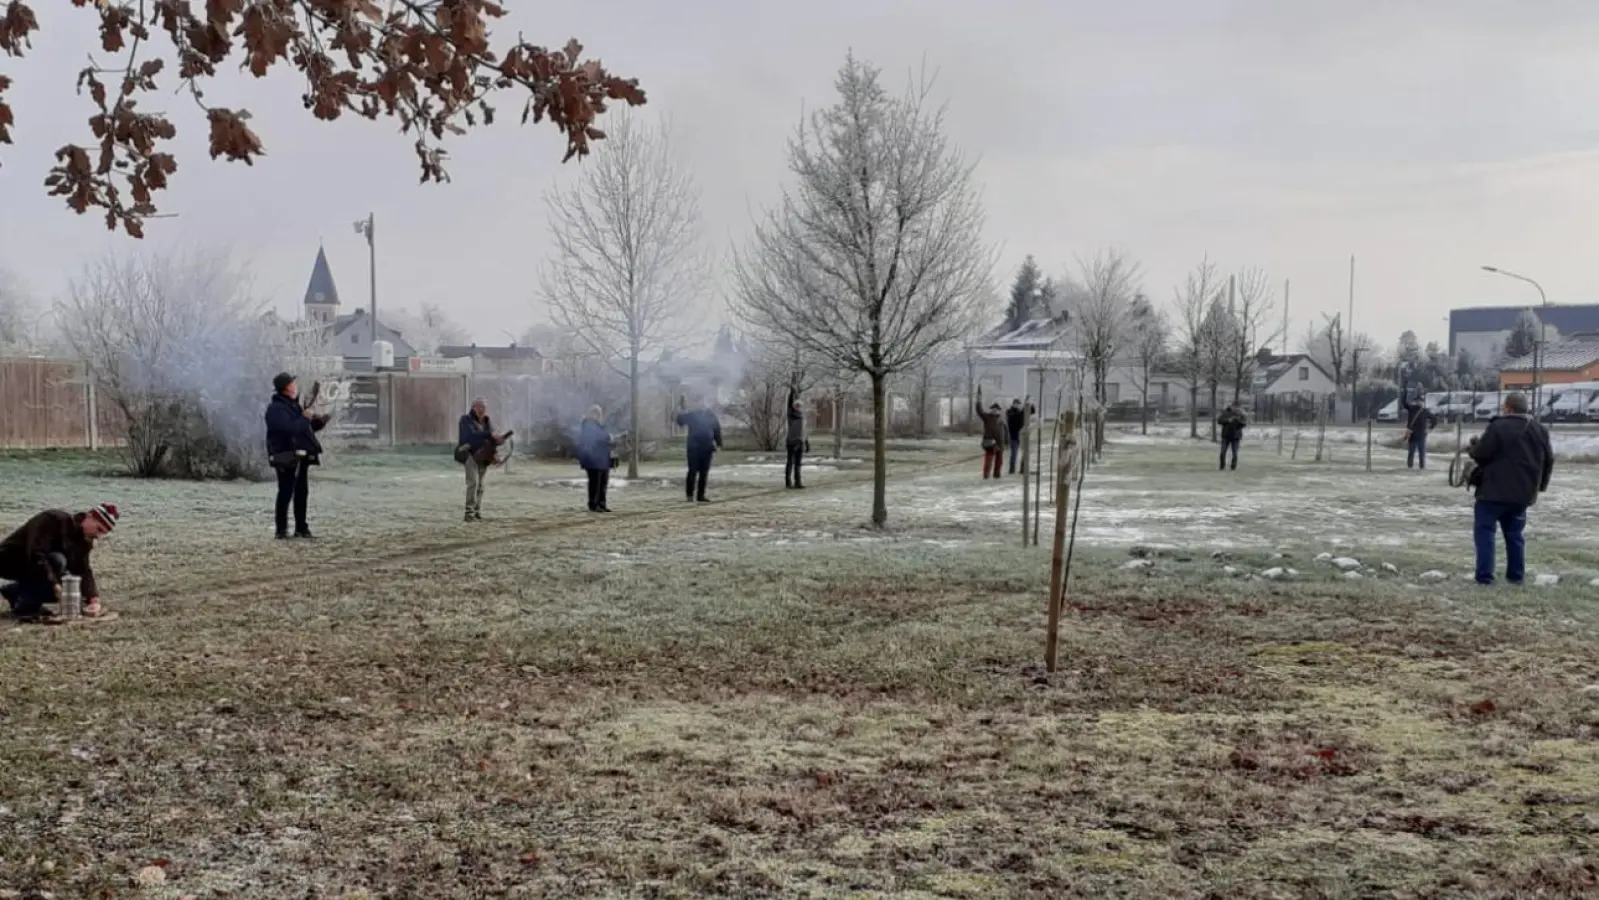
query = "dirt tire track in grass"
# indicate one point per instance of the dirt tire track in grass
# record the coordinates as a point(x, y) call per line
point(435, 549)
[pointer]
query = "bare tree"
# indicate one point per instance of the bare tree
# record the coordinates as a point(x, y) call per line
point(19, 317)
point(1253, 326)
point(1193, 303)
point(1335, 345)
point(1216, 343)
point(628, 264)
point(775, 369)
point(427, 329)
point(875, 258)
point(1150, 335)
point(179, 347)
point(1102, 312)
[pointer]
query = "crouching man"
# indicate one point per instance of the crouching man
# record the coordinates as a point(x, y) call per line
point(52, 544)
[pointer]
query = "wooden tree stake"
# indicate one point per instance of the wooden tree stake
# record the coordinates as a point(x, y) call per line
point(1065, 456)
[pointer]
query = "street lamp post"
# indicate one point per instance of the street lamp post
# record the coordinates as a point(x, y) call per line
point(1537, 344)
point(363, 227)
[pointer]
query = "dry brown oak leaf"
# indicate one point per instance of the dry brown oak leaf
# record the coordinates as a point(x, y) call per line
point(427, 63)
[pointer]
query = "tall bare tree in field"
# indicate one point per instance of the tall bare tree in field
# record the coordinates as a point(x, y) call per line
point(1253, 326)
point(1151, 332)
point(1192, 336)
point(628, 265)
point(875, 257)
point(1102, 313)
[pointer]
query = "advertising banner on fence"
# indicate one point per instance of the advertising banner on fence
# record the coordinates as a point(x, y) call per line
point(354, 401)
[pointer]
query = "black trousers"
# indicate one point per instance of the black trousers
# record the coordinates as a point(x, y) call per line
point(294, 483)
point(599, 480)
point(699, 470)
point(28, 595)
point(791, 468)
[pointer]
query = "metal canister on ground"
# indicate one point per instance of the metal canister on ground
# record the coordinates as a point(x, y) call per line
point(71, 605)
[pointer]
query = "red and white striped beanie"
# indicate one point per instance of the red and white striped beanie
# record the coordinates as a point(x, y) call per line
point(107, 514)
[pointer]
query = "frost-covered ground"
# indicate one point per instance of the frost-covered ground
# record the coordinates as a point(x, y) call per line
point(759, 697)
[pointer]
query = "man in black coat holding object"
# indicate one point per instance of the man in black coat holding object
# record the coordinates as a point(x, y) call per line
point(292, 449)
point(704, 439)
point(797, 444)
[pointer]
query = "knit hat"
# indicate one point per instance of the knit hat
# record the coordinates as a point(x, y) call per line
point(281, 381)
point(107, 514)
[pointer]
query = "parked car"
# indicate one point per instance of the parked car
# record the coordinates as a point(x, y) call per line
point(1487, 407)
point(1569, 404)
point(1389, 413)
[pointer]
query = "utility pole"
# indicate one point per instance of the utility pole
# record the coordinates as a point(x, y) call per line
point(365, 227)
point(1285, 317)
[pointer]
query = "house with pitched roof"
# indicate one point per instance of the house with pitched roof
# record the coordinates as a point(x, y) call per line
point(1481, 331)
point(346, 335)
point(1570, 361)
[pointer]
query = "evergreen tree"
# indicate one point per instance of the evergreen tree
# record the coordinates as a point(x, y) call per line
point(1023, 302)
point(1409, 350)
point(1523, 338)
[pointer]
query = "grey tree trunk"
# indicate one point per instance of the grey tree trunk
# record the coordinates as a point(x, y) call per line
point(879, 451)
point(632, 416)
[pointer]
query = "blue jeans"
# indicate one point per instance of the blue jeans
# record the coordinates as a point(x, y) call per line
point(1417, 451)
point(1512, 520)
point(1226, 445)
point(1015, 450)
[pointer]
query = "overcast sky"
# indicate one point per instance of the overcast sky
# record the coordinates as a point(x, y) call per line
point(1426, 137)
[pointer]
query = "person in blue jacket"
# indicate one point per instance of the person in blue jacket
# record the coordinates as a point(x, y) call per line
point(594, 445)
point(704, 439)
point(292, 449)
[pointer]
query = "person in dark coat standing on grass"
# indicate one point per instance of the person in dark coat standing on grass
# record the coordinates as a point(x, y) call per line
point(594, 445)
point(1419, 421)
point(994, 438)
point(475, 445)
point(1016, 419)
point(797, 444)
point(292, 449)
point(52, 544)
point(704, 439)
point(1232, 422)
point(1514, 463)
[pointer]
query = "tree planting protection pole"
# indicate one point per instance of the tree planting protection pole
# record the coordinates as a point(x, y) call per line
point(1025, 494)
point(1368, 445)
point(1064, 445)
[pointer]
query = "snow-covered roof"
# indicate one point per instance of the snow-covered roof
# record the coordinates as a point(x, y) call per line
point(1569, 356)
point(1034, 334)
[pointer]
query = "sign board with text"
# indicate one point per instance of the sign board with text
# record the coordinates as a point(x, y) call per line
point(354, 404)
point(440, 365)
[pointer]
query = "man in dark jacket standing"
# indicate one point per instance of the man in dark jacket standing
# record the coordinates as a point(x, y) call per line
point(797, 444)
point(292, 449)
point(476, 442)
point(1514, 463)
point(1232, 422)
point(1419, 421)
point(52, 544)
point(1016, 419)
point(704, 439)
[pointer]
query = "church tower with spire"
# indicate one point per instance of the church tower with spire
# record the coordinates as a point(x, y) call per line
point(321, 296)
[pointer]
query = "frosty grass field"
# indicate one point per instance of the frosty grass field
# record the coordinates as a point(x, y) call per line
point(760, 698)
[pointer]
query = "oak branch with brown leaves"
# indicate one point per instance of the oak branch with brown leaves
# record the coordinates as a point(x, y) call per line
point(427, 63)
